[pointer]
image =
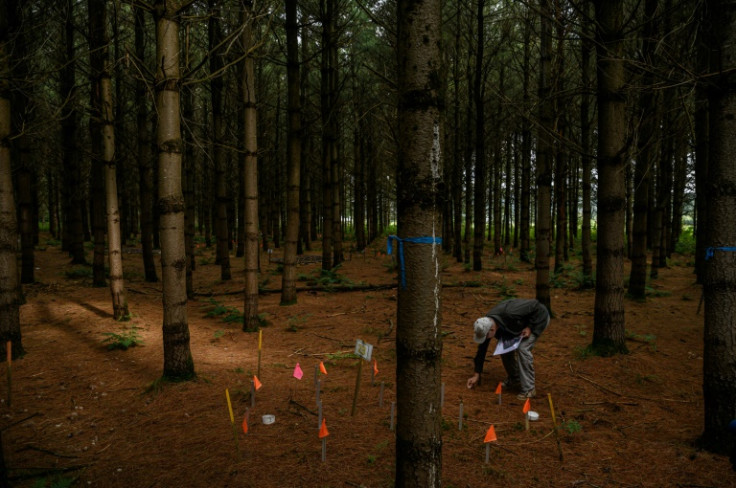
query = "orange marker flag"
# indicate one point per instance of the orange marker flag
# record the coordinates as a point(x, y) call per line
point(322, 368)
point(375, 368)
point(527, 406)
point(245, 424)
point(257, 383)
point(498, 388)
point(323, 432)
point(490, 435)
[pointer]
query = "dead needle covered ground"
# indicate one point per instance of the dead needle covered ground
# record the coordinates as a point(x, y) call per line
point(101, 418)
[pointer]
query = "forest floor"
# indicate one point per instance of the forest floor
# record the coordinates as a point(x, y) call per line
point(83, 415)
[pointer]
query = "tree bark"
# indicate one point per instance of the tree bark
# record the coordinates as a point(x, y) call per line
point(178, 362)
point(293, 157)
point(145, 153)
point(586, 160)
point(719, 287)
point(10, 296)
point(250, 183)
point(418, 338)
point(608, 332)
point(218, 126)
point(544, 157)
point(480, 189)
point(99, 41)
point(73, 198)
point(646, 151)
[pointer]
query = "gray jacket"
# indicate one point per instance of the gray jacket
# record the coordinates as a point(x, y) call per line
point(513, 315)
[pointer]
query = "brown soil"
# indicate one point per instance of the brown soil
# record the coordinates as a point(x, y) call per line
point(101, 418)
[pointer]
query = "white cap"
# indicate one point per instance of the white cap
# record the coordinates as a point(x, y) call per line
point(482, 326)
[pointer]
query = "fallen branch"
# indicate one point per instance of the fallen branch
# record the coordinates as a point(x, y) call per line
point(630, 396)
point(297, 404)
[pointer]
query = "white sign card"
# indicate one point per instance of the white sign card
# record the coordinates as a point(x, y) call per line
point(363, 349)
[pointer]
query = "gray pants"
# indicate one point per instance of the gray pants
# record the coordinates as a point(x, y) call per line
point(519, 364)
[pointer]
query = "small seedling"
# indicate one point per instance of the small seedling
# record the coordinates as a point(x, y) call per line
point(127, 338)
point(571, 426)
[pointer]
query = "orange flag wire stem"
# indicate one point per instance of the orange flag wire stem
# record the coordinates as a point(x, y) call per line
point(490, 435)
point(322, 368)
point(323, 432)
point(257, 383)
point(527, 406)
point(498, 388)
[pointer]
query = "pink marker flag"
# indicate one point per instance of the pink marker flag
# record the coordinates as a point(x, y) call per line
point(298, 373)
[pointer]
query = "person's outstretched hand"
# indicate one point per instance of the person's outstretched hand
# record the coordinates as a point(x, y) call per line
point(473, 380)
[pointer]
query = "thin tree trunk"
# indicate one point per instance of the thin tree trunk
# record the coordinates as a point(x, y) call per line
point(293, 157)
point(585, 149)
point(646, 152)
point(544, 157)
point(608, 332)
point(189, 168)
point(480, 189)
point(326, 11)
point(526, 146)
point(418, 338)
point(145, 153)
point(218, 126)
point(250, 182)
point(10, 290)
point(178, 362)
point(99, 41)
point(73, 230)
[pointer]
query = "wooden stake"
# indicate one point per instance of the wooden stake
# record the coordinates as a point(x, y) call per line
point(393, 409)
point(554, 424)
point(357, 387)
point(260, 343)
point(232, 422)
point(317, 391)
point(9, 354)
point(380, 395)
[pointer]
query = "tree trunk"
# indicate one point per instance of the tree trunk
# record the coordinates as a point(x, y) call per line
point(218, 126)
point(418, 341)
point(703, 92)
point(480, 190)
point(719, 287)
point(73, 229)
point(646, 151)
point(145, 153)
point(100, 71)
point(10, 290)
point(189, 167)
point(293, 157)
point(526, 146)
point(586, 160)
point(456, 183)
point(326, 11)
point(544, 157)
point(178, 362)
point(608, 332)
point(250, 183)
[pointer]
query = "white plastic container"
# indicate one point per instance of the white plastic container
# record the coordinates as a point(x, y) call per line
point(268, 419)
point(533, 415)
